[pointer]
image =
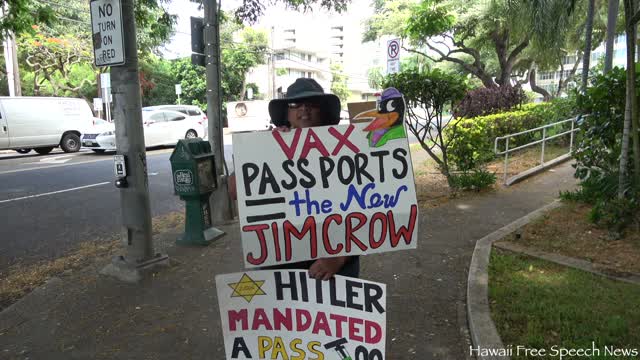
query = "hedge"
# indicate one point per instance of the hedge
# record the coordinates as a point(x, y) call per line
point(474, 139)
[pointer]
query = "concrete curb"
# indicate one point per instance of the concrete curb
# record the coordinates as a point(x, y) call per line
point(567, 261)
point(538, 169)
point(484, 334)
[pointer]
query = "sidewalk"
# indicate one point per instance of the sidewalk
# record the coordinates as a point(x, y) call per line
point(174, 314)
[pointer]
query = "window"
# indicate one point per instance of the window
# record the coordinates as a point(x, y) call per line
point(175, 117)
point(280, 56)
point(193, 112)
point(569, 60)
point(158, 117)
point(546, 75)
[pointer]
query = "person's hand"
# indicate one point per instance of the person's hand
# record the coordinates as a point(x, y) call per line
point(231, 186)
point(282, 129)
point(325, 268)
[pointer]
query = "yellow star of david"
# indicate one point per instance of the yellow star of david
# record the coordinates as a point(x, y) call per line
point(247, 288)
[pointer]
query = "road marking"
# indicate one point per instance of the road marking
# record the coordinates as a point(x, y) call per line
point(77, 163)
point(53, 160)
point(54, 192)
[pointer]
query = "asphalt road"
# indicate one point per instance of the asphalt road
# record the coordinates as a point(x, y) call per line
point(51, 203)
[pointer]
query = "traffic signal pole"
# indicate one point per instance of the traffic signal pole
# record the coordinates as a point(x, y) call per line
point(221, 210)
point(134, 186)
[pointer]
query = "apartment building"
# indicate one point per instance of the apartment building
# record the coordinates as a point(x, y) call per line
point(549, 80)
point(305, 45)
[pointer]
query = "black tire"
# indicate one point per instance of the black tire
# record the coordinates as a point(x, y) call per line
point(191, 134)
point(70, 143)
point(98, 151)
point(43, 150)
point(23, 151)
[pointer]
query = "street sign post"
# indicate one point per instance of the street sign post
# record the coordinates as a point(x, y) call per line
point(393, 56)
point(105, 84)
point(178, 92)
point(106, 23)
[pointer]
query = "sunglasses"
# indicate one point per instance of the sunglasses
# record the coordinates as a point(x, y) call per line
point(298, 105)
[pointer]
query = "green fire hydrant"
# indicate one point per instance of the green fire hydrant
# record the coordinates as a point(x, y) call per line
point(194, 179)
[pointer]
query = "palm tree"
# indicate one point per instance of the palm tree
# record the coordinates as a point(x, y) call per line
point(631, 104)
point(587, 44)
point(612, 17)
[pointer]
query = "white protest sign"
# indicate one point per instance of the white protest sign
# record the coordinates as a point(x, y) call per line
point(284, 314)
point(324, 192)
point(106, 23)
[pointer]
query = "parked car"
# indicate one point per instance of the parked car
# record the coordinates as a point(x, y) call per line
point(43, 123)
point(161, 127)
point(192, 111)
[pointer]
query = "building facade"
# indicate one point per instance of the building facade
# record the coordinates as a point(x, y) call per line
point(307, 44)
point(549, 80)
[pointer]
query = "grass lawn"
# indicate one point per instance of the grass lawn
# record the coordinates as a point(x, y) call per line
point(538, 304)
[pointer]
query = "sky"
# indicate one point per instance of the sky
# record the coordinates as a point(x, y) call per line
point(180, 44)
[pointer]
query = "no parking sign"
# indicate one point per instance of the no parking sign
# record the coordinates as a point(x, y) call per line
point(393, 56)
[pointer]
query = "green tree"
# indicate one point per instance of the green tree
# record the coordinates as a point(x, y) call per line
point(428, 94)
point(19, 15)
point(53, 61)
point(157, 81)
point(484, 38)
point(339, 83)
point(239, 58)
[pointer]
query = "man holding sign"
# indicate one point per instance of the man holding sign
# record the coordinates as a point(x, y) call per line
point(319, 194)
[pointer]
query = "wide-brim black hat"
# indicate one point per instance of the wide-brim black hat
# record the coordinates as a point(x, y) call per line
point(307, 89)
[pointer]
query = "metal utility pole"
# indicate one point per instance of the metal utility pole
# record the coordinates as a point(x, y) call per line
point(134, 185)
point(221, 210)
point(11, 60)
point(11, 63)
point(273, 66)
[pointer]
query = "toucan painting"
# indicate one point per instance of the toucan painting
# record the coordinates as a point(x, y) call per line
point(388, 119)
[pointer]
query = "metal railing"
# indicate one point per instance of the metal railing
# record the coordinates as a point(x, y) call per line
point(544, 139)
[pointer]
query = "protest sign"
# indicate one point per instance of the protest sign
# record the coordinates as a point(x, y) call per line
point(323, 192)
point(285, 314)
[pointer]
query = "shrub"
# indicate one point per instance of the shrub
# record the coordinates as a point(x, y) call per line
point(597, 153)
point(474, 138)
point(476, 179)
point(428, 94)
point(485, 101)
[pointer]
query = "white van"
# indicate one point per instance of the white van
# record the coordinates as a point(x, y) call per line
point(42, 123)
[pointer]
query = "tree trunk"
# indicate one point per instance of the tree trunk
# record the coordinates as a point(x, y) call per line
point(634, 116)
point(629, 7)
point(243, 89)
point(587, 45)
point(563, 84)
point(532, 82)
point(612, 17)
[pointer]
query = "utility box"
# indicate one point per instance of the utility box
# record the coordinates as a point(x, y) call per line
point(194, 179)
